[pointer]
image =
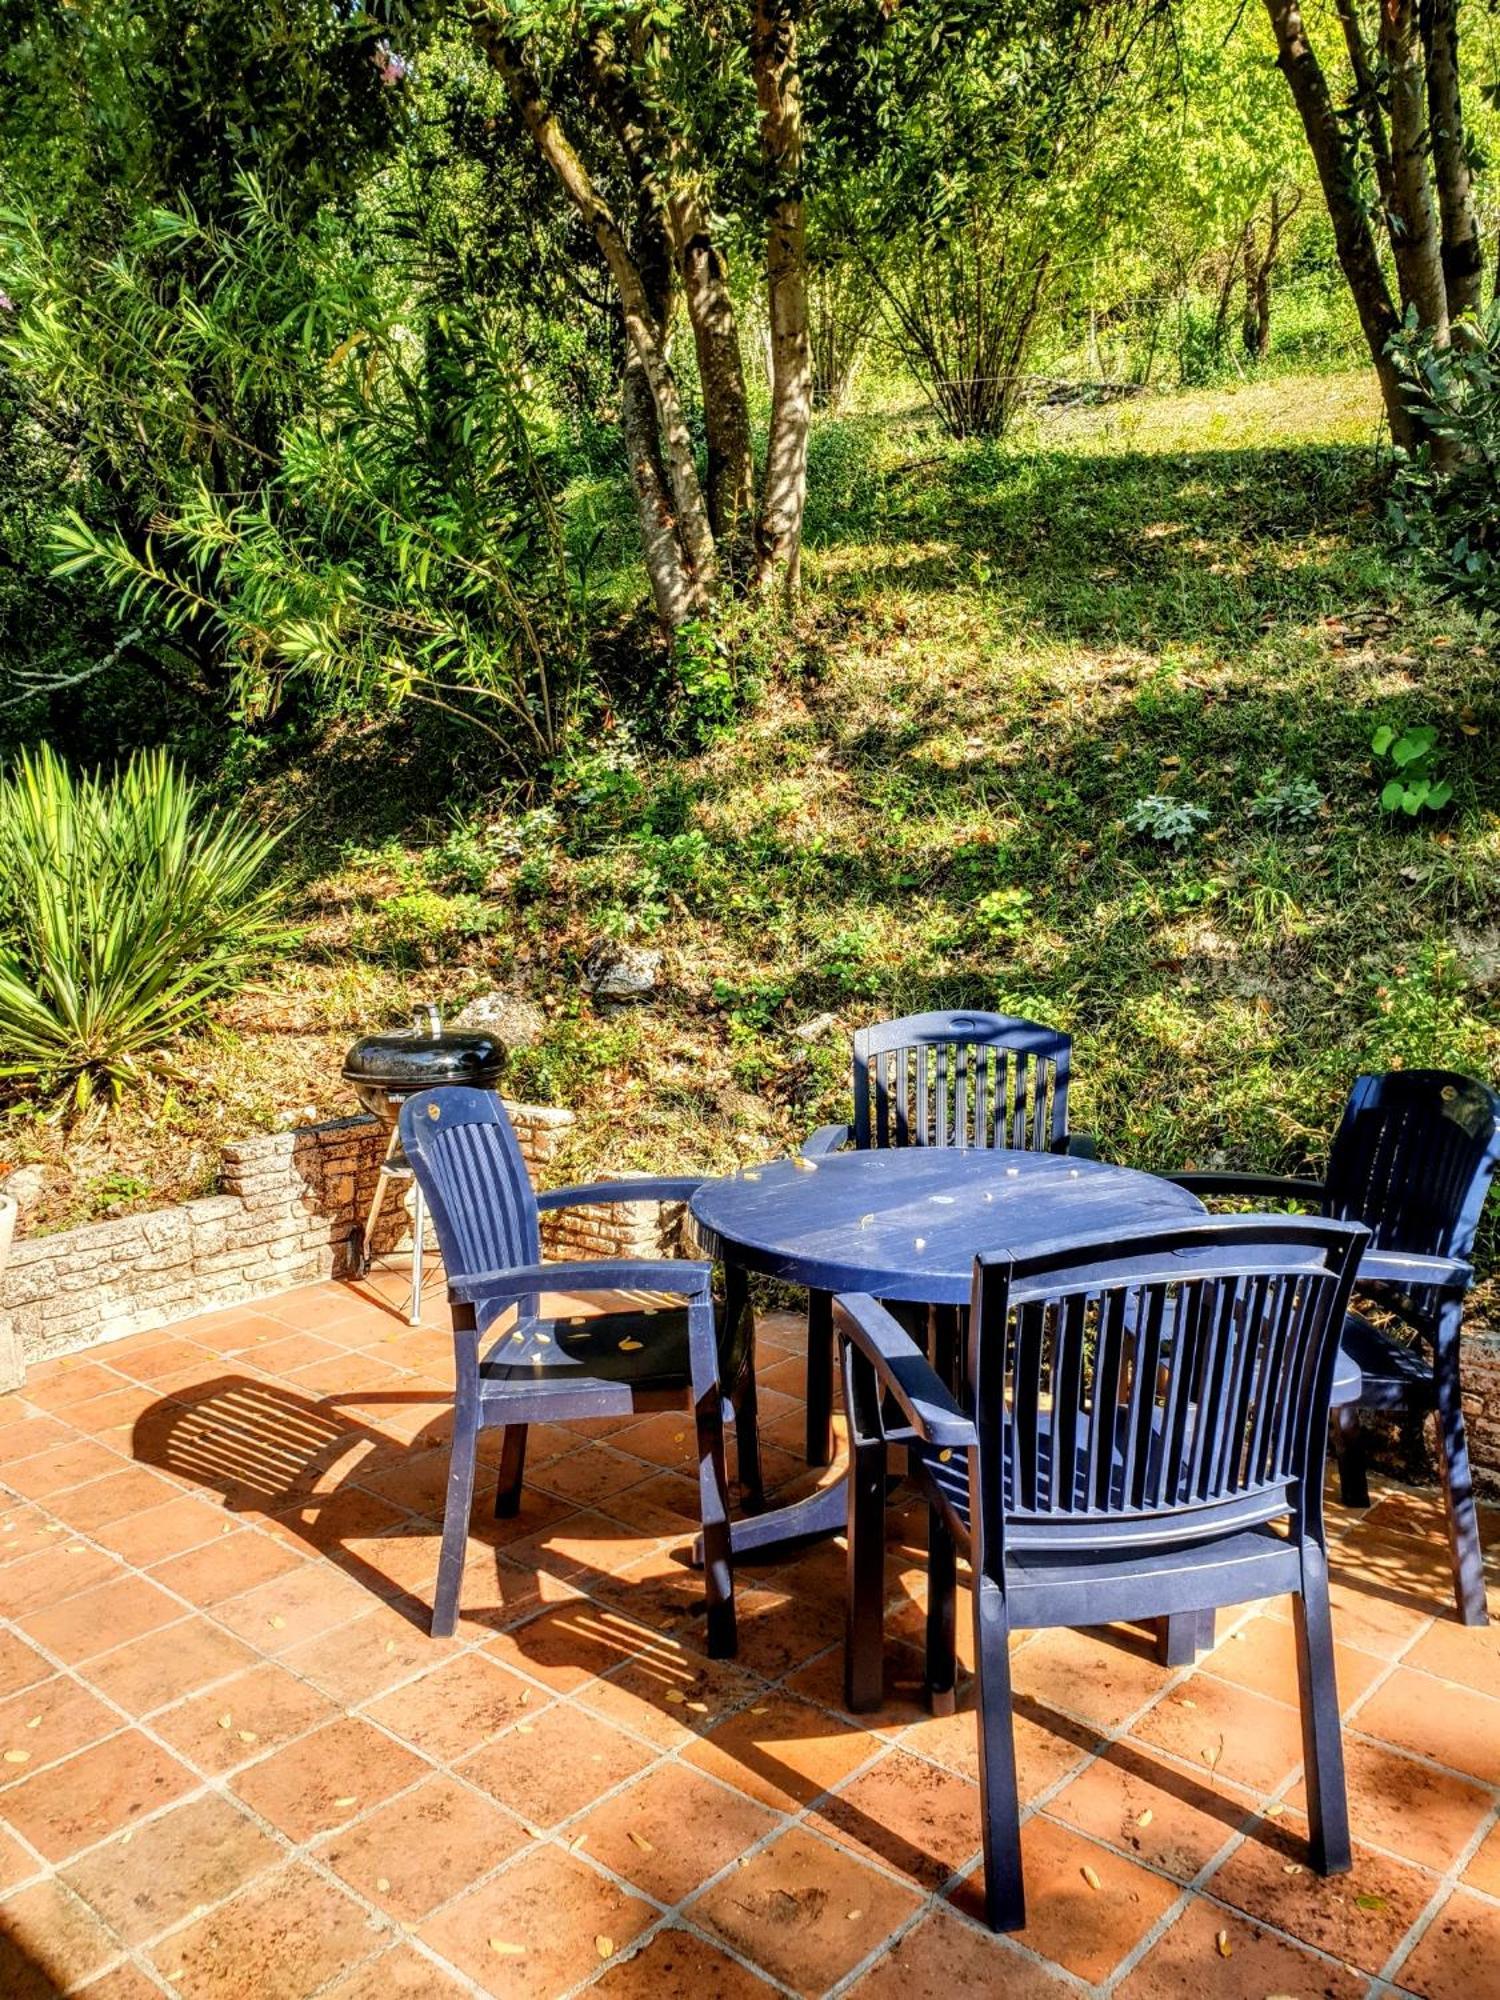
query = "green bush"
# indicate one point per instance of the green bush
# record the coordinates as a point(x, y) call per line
point(126, 908)
point(1445, 500)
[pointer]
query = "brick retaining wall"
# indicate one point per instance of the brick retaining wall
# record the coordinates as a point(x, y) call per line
point(288, 1205)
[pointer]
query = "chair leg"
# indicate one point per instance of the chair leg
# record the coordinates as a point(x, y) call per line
point(864, 1629)
point(1349, 1450)
point(942, 1603)
point(461, 1461)
point(713, 1502)
point(1464, 1546)
point(746, 1399)
point(512, 1472)
point(1322, 1743)
point(999, 1803)
point(1182, 1636)
point(819, 1378)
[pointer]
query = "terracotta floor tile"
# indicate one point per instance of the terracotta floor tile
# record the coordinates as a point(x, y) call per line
point(676, 1965)
point(1483, 1871)
point(804, 1909)
point(782, 1630)
point(226, 1566)
point(1394, 1802)
point(941, 1957)
point(294, 1928)
point(1087, 1929)
point(585, 1545)
point(422, 1848)
point(54, 1386)
point(545, 1770)
point(457, 1707)
point(49, 1721)
point(50, 1942)
point(94, 1794)
point(1048, 1743)
point(306, 1601)
point(1466, 1654)
point(21, 1665)
point(1152, 1807)
point(402, 1974)
point(905, 1695)
point(660, 1589)
point(915, 1818)
point(670, 1695)
point(781, 1751)
point(265, 1707)
point(124, 1982)
point(672, 1829)
point(129, 1490)
point(1242, 1737)
point(1102, 1676)
point(1358, 1918)
point(185, 1522)
point(1456, 1956)
point(1209, 1950)
point(65, 1465)
point(46, 1579)
point(196, 1854)
point(324, 1780)
point(101, 1619)
point(569, 1643)
point(165, 1665)
point(17, 1862)
point(592, 1476)
point(533, 1930)
point(24, 1528)
point(1436, 1719)
point(328, 1521)
point(34, 1433)
point(1262, 1655)
point(113, 1416)
point(367, 1655)
point(149, 1360)
point(1364, 1617)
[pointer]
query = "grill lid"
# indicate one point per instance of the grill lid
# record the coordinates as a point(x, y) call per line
point(424, 1058)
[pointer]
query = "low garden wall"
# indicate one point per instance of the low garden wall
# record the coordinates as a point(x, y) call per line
point(288, 1206)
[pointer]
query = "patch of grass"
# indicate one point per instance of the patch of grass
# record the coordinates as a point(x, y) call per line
point(1180, 596)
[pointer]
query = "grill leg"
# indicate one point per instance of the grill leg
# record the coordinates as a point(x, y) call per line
point(418, 1240)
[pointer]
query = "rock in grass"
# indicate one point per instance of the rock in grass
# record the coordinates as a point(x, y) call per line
point(614, 971)
point(511, 1019)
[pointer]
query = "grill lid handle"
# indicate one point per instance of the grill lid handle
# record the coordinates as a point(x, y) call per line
point(426, 1021)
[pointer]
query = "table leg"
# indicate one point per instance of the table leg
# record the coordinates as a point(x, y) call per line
point(819, 1378)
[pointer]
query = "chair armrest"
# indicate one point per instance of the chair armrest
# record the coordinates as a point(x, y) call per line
point(827, 1139)
point(641, 1187)
point(610, 1274)
point(1256, 1187)
point(903, 1369)
point(1079, 1146)
point(1413, 1273)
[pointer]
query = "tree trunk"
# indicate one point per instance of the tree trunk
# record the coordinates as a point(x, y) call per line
point(677, 593)
point(1367, 99)
point(508, 58)
point(1463, 254)
point(1233, 265)
point(1353, 237)
point(1250, 320)
point(1416, 241)
point(778, 91)
point(721, 371)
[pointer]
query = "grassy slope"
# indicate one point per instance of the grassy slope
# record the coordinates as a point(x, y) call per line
point(1010, 646)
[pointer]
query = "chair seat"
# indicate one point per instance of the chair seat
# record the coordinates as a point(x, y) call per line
point(1395, 1374)
point(646, 1348)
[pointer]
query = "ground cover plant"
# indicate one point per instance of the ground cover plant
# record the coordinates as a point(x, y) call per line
point(1005, 647)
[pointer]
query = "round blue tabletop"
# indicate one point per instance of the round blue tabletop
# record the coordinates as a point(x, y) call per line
point(906, 1223)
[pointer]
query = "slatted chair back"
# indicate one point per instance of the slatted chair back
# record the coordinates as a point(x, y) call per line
point(961, 1080)
point(1171, 1384)
point(1413, 1160)
point(463, 1150)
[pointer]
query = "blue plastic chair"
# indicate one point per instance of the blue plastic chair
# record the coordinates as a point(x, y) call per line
point(1139, 1420)
point(939, 1080)
point(1412, 1160)
point(539, 1369)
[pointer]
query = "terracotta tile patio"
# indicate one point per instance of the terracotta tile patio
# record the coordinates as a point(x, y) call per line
point(235, 1765)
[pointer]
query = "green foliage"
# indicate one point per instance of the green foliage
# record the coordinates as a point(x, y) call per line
point(422, 927)
point(1444, 508)
point(1172, 821)
point(126, 909)
point(1415, 755)
point(1286, 802)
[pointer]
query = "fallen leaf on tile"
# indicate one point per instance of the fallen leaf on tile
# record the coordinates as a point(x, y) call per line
point(276, 1621)
point(225, 1719)
point(504, 1949)
point(1211, 1757)
point(576, 1843)
point(605, 1946)
point(535, 1831)
point(35, 1722)
point(1145, 1818)
point(676, 1697)
point(348, 1799)
point(641, 1841)
point(1369, 1902)
point(1090, 1876)
point(18, 1756)
point(1292, 1868)
point(1275, 1810)
point(247, 1736)
point(382, 1883)
point(1221, 1943)
point(525, 1696)
point(853, 1916)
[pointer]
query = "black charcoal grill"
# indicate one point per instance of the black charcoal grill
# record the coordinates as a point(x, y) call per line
point(387, 1069)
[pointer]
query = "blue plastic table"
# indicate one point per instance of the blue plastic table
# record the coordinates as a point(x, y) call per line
point(905, 1225)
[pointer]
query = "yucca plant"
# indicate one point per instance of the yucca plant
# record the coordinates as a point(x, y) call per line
point(127, 906)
